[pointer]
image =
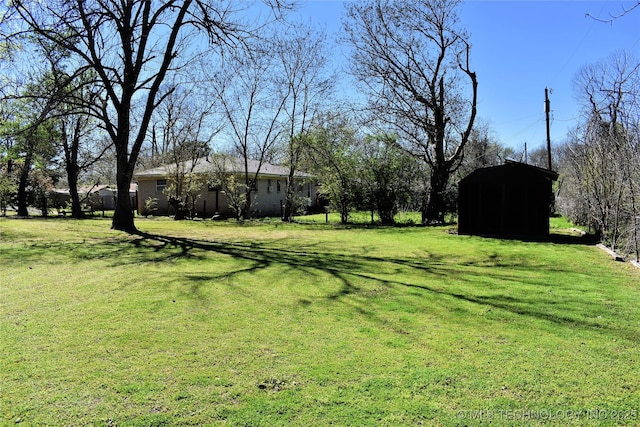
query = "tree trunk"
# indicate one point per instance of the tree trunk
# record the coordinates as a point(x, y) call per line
point(44, 206)
point(288, 210)
point(246, 209)
point(436, 206)
point(76, 207)
point(123, 215)
point(344, 214)
point(23, 201)
point(289, 197)
point(344, 208)
point(386, 214)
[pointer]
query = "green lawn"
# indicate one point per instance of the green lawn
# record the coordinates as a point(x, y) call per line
point(215, 323)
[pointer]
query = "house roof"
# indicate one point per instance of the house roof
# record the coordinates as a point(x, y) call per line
point(231, 165)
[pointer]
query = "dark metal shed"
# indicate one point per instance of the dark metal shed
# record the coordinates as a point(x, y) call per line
point(511, 200)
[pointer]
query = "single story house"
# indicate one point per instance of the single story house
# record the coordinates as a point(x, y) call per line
point(268, 196)
point(510, 200)
point(96, 198)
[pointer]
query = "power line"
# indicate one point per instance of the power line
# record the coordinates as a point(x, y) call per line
point(577, 47)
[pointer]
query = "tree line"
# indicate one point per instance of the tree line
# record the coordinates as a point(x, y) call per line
point(600, 159)
point(94, 88)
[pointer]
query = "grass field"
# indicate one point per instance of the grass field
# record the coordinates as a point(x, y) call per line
point(217, 323)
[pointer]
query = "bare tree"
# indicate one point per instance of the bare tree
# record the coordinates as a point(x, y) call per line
point(132, 46)
point(482, 150)
point(254, 109)
point(225, 176)
point(183, 128)
point(306, 84)
point(602, 154)
point(80, 141)
point(82, 147)
point(413, 61)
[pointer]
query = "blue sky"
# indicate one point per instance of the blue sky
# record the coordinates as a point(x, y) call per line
point(521, 47)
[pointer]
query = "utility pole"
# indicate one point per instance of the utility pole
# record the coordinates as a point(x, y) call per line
point(547, 109)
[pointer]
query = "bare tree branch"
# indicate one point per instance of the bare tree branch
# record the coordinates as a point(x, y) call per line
point(615, 17)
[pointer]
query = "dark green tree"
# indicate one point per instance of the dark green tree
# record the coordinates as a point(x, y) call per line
point(334, 155)
point(28, 152)
point(390, 176)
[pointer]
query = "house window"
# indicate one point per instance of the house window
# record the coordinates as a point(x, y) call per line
point(161, 184)
point(269, 186)
point(278, 186)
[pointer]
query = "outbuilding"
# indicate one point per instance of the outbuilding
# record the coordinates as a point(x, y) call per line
point(510, 200)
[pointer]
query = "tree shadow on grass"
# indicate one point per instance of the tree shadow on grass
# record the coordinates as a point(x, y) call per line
point(557, 238)
point(351, 269)
point(569, 239)
point(261, 256)
point(451, 282)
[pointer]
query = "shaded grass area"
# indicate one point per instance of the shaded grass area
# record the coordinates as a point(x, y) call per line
point(272, 324)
